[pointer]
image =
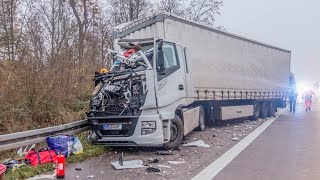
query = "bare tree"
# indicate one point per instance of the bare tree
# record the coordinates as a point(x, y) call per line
point(7, 18)
point(171, 6)
point(204, 11)
point(127, 10)
point(80, 11)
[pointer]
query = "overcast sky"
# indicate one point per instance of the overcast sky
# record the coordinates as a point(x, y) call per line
point(289, 24)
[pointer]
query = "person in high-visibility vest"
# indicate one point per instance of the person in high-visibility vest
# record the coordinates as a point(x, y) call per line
point(307, 95)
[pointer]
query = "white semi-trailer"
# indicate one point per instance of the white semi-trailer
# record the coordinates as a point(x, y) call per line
point(171, 76)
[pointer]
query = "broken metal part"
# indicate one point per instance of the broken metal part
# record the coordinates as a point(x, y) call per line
point(153, 160)
point(121, 159)
point(152, 169)
point(164, 153)
point(128, 164)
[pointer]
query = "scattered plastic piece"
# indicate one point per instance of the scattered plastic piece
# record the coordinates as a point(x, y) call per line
point(164, 166)
point(198, 143)
point(77, 147)
point(20, 152)
point(152, 169)
point(176, 162)
point(128, 164)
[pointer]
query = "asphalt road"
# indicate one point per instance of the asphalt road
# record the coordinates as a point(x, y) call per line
point(288, 149)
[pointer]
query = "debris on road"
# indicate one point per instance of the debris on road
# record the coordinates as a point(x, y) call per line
point(235, 139)
point(128, 164)
point(164, 166)
point(12, 164)
point(78, 169)
point(164, 153)
point(198, 143)
point(152, 169)
point(121, 159)
point(176, 162)
point(151, 160)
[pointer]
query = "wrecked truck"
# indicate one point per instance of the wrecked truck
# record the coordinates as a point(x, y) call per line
point(171, 76)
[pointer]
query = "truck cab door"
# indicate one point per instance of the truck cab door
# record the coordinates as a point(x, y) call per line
point(170, 73)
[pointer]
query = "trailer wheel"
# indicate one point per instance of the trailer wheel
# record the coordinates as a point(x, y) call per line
point(176, 134)
point(201, 126)
point(264, 110)
point(272, 109)
point(256, 112)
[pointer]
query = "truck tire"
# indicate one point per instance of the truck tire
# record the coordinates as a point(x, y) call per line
point(271, 109)
point(256, 111)
point(264, 110)
point(202, 125)
point(176, 134)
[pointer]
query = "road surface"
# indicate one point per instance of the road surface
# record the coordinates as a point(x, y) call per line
point(288, 149)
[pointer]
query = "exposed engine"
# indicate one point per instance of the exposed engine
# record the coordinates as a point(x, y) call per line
point(120, 97)
point(121, 91)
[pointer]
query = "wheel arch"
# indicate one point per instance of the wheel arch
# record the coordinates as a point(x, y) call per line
point(179, 112)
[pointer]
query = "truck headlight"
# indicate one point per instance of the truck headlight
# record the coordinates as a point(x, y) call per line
point(148, 127)
point(148, 124)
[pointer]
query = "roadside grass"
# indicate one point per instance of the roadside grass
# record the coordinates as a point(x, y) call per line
point(89, 151)
point(29, 171)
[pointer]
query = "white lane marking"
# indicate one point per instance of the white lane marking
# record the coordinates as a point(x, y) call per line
point(214, 168)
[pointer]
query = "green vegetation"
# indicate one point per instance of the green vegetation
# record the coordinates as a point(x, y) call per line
point(28, 171)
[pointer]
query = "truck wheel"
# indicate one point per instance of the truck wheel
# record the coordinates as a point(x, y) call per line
point(176, 134)
point(256, 112)
point(201, 126)
point(263, 110)
point(272, 109)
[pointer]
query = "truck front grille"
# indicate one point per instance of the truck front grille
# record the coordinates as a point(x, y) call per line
point(129, 124)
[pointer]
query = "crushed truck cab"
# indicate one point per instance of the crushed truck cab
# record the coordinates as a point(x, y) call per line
point(135, 103)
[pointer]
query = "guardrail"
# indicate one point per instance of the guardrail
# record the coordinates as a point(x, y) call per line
point(26, 138)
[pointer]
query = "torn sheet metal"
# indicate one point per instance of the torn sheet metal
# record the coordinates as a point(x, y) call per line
point(128, 164)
